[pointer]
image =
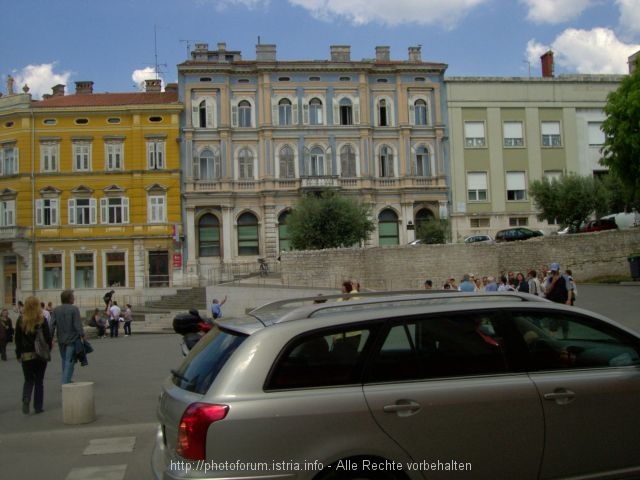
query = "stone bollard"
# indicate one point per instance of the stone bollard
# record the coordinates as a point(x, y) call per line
point(78, 404)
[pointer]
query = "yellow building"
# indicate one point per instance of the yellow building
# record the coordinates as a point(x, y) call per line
point(90, 187)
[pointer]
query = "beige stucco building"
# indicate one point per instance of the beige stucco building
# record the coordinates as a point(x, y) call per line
point(507, 132)
point(258, 134)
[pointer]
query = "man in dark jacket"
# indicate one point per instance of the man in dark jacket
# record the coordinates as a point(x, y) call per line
point(68, 327)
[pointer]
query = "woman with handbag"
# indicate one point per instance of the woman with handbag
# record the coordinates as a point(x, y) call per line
point(33, 345)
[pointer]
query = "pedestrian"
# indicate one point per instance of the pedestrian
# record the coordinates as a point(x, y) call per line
point(521, 284)
point(558, 287)
point(491, 285)
point(114, 319)
point(67, 326)
point(108, 299)
point(574, 288)
point(127, 315)
point(534, 283)
point(19, 307)
point(33, 367)
point(216, 310)
point(6, 333)
point(467, 285)
point(46, 313)
point(98, 321)
point(428, 284)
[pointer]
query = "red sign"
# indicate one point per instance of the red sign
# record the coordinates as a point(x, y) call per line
point(177, 260)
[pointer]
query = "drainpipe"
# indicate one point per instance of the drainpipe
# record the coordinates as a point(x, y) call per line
point(33, 198)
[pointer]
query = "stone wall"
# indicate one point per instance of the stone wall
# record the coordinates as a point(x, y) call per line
point(407, 266)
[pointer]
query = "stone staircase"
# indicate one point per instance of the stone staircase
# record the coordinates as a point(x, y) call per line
point(158, 315)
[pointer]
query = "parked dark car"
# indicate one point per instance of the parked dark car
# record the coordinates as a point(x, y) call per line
point(516, 233)
point(599, 225)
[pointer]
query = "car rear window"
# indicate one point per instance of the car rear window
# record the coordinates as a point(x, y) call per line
point(206, 359)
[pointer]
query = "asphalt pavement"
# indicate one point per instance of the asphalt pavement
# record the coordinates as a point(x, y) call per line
point(127, 373)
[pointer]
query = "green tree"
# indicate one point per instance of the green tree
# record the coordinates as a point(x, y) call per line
point(621, 150)
point(570, 200)
point(328, 220)
point(433, 231)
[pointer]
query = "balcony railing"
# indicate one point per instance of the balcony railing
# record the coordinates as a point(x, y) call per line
point(314, 182)
point(13, 233)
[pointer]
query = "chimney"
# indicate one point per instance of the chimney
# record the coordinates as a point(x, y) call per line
point(415, 54)
point(340, 53)
point(171, 88)
point(152, 85)
point(222, 47)
point(265, 53)
point(57, 90)
point(84, 88)
point(383, 54)
point(547, 64)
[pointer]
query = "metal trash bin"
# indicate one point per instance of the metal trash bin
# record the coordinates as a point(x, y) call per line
point(634, 266)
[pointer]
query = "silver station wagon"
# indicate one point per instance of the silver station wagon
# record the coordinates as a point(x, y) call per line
point(406, 385)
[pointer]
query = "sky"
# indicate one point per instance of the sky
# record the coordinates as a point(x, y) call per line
point(118, 43)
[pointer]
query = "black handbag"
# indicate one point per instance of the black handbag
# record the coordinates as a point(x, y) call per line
point(43, 352)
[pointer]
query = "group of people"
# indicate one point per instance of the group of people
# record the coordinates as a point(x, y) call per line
point(111, 317)
point(550, 283)
point(38, 323)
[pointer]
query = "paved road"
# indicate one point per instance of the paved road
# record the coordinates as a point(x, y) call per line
point(127, 373)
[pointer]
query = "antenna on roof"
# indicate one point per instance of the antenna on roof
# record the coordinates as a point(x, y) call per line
point(188, 42)
point(155, 52)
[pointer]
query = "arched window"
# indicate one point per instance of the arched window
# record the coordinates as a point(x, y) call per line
point(202, 114)
point(209, 165)
point(388, 228)
point(315, 112)
point(315, 168)
point(248, 240)
point(284, 241)
point(244, 114)
point(245, 164)
point(208, 236)
point(287, 166)
point(423, 215)
point(346, 112)
point(383, 112)
point(420, 111)
point(348, 161)
point(386, 161)
point(422, 166)
point(284, 112)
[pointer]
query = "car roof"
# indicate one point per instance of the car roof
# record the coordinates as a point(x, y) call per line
point(307, 307)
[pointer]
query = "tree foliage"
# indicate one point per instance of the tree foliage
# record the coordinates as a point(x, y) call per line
point(570, 201)
point(621, 150)
point(433, 231)
point(328, 220)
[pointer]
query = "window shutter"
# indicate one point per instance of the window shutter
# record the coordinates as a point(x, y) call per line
point(305, 114)
point(356, 112)
point(54, 211)
point(16, 159)
point(275, 117)
point(103, 211)
point(477, 181)
point(92, 211)
point(195, 113)
point(39, 212)
point(71, 207)
point(125, 210)
point(515, 181)
point(196, 169)
point(211, 112)
point(11, 213)
point(150, 155)
point(234, 115)
point(336, 112)
point(294, 113)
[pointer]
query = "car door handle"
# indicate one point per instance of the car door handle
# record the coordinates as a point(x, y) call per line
point(561, 396)
point(403, 408)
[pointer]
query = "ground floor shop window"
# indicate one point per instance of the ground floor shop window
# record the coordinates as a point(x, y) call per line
point(52, 270)
point(83, 274)
point(116, 269)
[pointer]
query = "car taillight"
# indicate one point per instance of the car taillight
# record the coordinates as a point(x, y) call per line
point(192, 433)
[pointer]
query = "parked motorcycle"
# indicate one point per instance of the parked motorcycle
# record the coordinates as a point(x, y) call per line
point(192, 327)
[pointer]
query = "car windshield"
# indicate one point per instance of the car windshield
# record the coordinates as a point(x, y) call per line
point(206, 359)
